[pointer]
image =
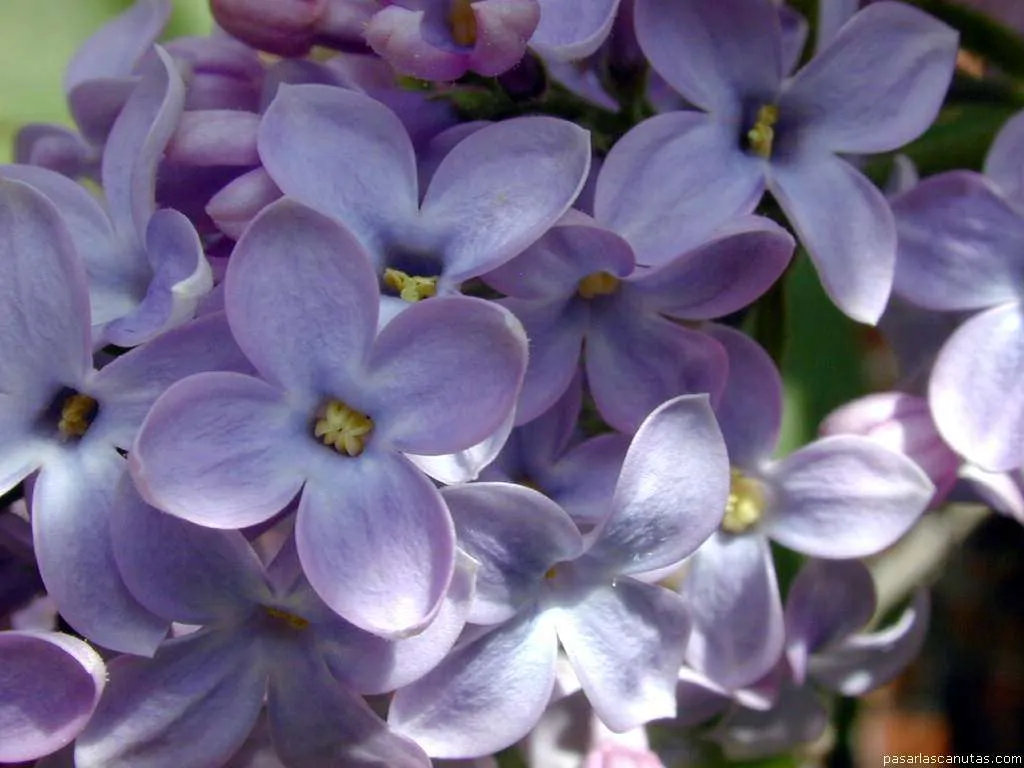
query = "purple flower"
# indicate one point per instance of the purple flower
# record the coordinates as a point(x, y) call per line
point(50, 684)
point(758, 130)
point(335, 410)
point(541, 585)
point(572, 29)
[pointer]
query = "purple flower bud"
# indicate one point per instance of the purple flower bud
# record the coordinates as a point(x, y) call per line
point(287, 28)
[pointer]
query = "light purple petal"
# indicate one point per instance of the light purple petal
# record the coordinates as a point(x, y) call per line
point(673, 180)
point(832, 14)
point(55, 148)
point(867, 661)
point(51, 684)
point(315, 721)
point(324, 295)
point(376, 542)
point(798, 718)
point(626, 643)
point(211, 137)
point(671, 492)
point(878, 84)
point(344, 154)
point(844, 496)
point(466, 465)
point(516, 535)
point(733, 594)
point(193, 704)
point(846, 226)
point(722, 276)
point(571, 30)
point(72, 501)
point(223, 450)
point(396, 34)
point(503, 29)
point(636, 361)
point(794, 36)
point(445, 374)
point(486, 696)
point(1004, 163)
point(235, 206)
point(180, 571)
point(961, 243)
point(827, 601)
point(44, 306)
point(503, 187)
point(974, 395)
point(583, 480)
point(1000, 490)
point(750, 409)
point(96, 104)
point(716, 53)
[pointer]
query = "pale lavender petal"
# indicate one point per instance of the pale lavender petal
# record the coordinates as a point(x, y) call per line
point(44, 304)
point(733, 594)
point(193, 704)
point(716, 53)
point(96, 104)
point(344, 154)
point(572, 30)
point(429, 157)
point(832, 14)
point(235, 206)
point(503, 29)
point(486, 695)
point(867, 661)
point(974, 395)
point(55, 148)
point(466, 465)
point(637, 361)
point(878, 84)
point(750, 409)
point(315, 721)
point(797, 718)
point(51, 684)
point(542, 441)
point(846, 226)
point(211, 137)
point(324, 295)
point(794, 36)
point(223, 450)
point(180, 571)
point(721, 276)
point(1002, 491)
point(827, 601)
point(516, 535)
point(1004, 163)
point(503, 187)
point(848, 484)
point(583, 481)
point(671, 492)
point(961, 243)
point(673, 180)
point(626, 643)
point(72, 501)
point(396, 34)
point(422, 395)
point(376, 542)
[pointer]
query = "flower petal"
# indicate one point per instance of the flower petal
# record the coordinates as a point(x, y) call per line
point(626, 643)
point(846, 226)
point(672, 490)
point(569, 31)
point(1004, 163)
point(878, 84)
point(848, 484)
point(376, 542)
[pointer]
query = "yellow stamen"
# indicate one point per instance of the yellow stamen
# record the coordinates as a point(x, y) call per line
point(76, 415)
point(598, 284)
point(551, 572)
point(293, 621)
point(745, 505)
point(462, 21)
point(409, 287)
point(344, 428)
point(762, 135)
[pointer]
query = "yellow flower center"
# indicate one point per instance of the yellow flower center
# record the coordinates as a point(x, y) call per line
point(409, 287)
point(762, 135)
point(598, 284)
point(343, 428)
point(745, 505)
point(293, 621)
point(76, 415)
point(462, 21)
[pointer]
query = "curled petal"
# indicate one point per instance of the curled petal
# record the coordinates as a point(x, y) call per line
point(569, 31)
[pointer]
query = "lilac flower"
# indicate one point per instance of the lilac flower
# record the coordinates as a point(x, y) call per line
point(578, 289)
point(494, 194)
point(263, 632)
point(758, 130)
point(97, 82)
point(444, 39)
point(572, 29)
point(337, 407)
point(50, 684)
point(540, 585)
point(292, 27)
point(839, 497)
point(146, 267)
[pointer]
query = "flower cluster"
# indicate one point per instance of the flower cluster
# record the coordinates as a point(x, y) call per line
point(366, 421)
